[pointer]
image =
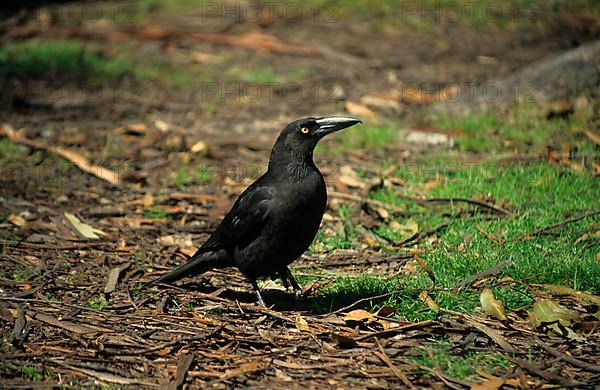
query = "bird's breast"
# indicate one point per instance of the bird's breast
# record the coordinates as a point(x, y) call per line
point(304, 204)
point(291, 226)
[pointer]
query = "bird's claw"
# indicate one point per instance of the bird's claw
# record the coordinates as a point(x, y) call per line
point(298, 292)
point(288, 281)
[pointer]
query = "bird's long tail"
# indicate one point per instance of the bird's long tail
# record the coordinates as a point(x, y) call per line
point(197, 264)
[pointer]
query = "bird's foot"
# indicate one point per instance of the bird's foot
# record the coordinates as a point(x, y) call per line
point(257, 291)
point(298, 292)
point(290, 278)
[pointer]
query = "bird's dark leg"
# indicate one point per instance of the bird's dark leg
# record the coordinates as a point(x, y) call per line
point(284, 279)
point(288, 277)
point(257, 291)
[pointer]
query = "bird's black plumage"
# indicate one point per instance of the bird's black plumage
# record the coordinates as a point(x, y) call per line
point(277, 217)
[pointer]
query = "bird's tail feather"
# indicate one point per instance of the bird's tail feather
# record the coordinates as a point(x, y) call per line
point(197, 264)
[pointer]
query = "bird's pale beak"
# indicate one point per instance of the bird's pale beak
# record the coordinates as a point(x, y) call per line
point(329, 124)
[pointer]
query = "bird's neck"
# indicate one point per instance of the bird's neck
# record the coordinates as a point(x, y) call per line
point(292, 164)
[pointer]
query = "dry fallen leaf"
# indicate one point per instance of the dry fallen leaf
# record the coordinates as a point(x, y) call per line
point(243, 369)
point(83, 163)
point(189, 251)
point(301, 324)
point(361, 111)
point(349, 177)
point(344, 341)
point(283, 376)
point(358, 315)
point(492, 306)
point(180, 240)
point(198, 147)
point(386, 311)
point(382, 101)
point(434, 183)
point(406, 229)
point(165, 351)
point(557, 317)
point(148, 199)
point(579, 295)
point(16, 220)
point(383, 213)
point(137, 128)
point(547, 311)
point(420, 137)
point(490, 384)
point(367, 239)
point(82, 228)
point(161, 125)
point(269, 284)
point(424, 296)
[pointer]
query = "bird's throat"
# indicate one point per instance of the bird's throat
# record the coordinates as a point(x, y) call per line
point(293, 165)
point(299, 166)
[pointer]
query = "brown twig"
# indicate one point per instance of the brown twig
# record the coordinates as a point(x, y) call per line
point(183, 365)
point(385, 358)
point(395, 331)
point(567, 358)
point(560, 224)
point(484, 274)
point(415, 238)
point(550, 376)
point(490, 236)
point(356, 303)
point(493, 334)
point(105, 377)
point(81, 162)
point(378, 203)
point(473, 202)
point(426, 268)
point(372, 202)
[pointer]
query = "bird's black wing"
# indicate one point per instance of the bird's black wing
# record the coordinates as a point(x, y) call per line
point(244, 221)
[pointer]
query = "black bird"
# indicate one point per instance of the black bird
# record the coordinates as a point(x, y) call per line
point(277, 217)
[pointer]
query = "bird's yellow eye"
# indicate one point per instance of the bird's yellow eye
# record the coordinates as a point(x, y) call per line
point(304, 130)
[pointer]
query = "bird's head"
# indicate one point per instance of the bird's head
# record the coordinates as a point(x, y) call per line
point(299, 138)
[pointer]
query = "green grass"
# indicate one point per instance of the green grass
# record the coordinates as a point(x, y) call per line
point(204, 173)
point(32, 373)
point(186, 176)
point(156, 213)
point(367, 136)
point(524, 129)
point(428, 15)
point(464, 366)
point(379, 14)
point(22, 274)
point(147, 11)
point(97, 303)
point(537, 194)
point(433, 14)
point(71, 59)
point(36, 170)
point(541, 195)
point(343, 239)
point(260, 76)
point(39, 58)
point(182, 178)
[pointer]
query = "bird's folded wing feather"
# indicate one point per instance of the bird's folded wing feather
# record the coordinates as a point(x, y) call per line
point(244, 221)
